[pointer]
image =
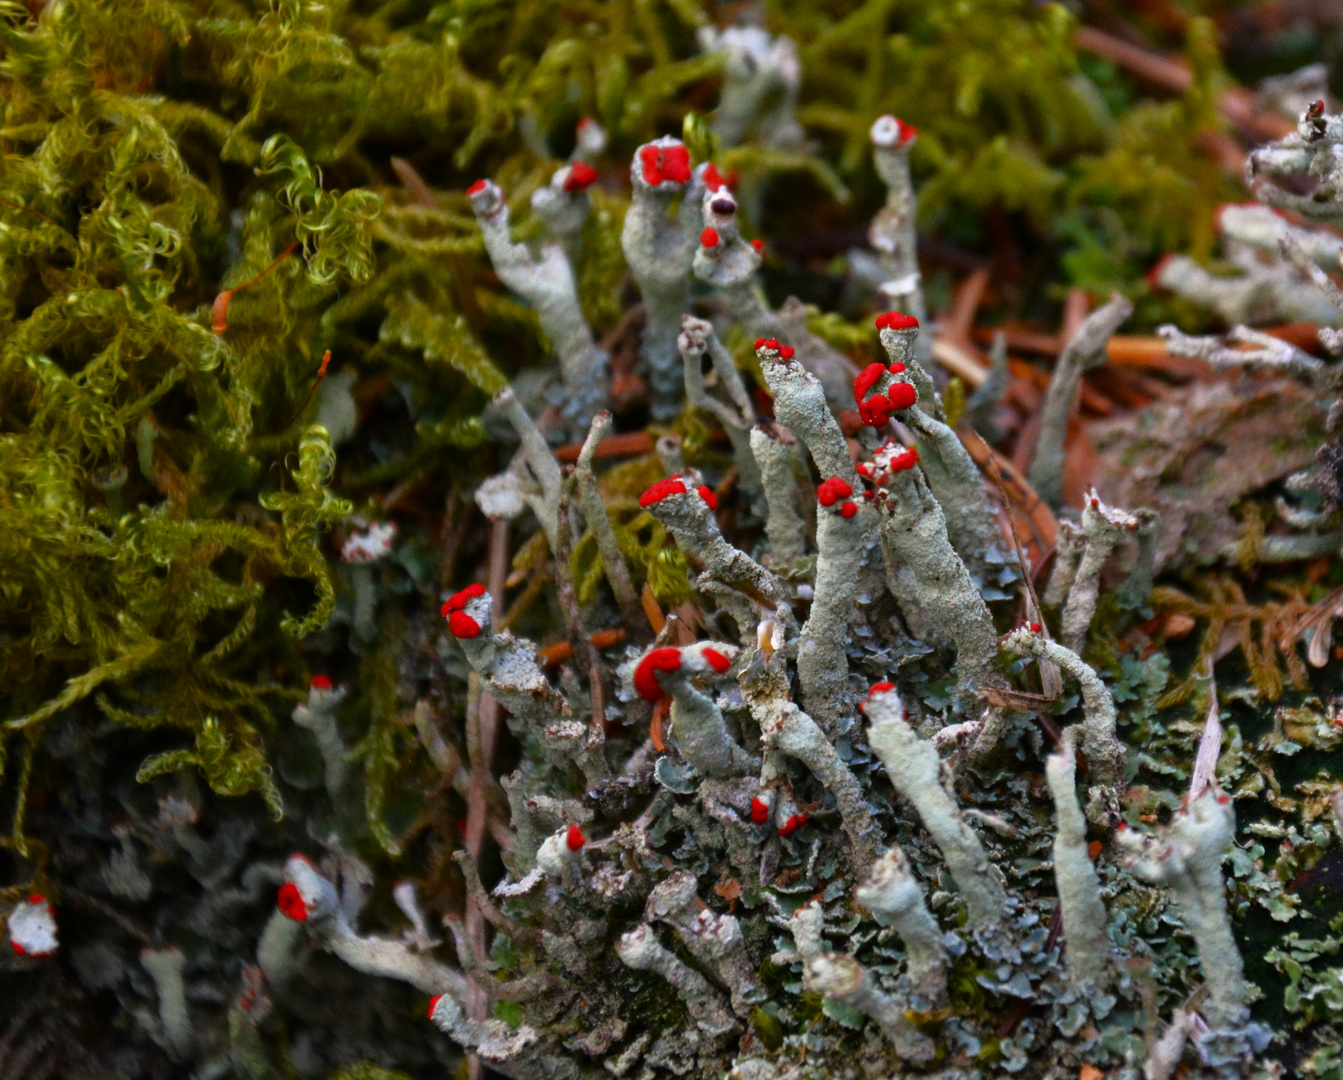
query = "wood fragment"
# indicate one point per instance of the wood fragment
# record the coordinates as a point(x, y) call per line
point(629, 444)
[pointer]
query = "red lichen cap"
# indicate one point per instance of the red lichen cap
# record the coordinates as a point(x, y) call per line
point(793, 824)
point(902, 395)
point(581, 177)
point(880, 688)
point(759, 246)
point(476, 188)
point(906, 459)
point(645, 675)
point(875, 411)
point(786, 352)
point(897, 368)
point(908, 132)
point(709, 237)
point(832, 490)
point(675, 163)
point(848, 510)
point(462, 625)
point(459, 600)
point(716, 660)
point(895, 320)
point(665, 163)
point(290, 902)
point(661, 490)
point(706, 493)
point(433, 1004)
point(769, 343)
point(574, 838)
point(714, 180)
point(1035, 627)
point(759, 342)
point(759, 811)
point(866, 379)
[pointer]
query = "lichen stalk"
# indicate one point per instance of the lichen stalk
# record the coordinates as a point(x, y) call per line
point(697, 723)
point(1085, 350)
point(546, 282)
point(1103, 526)
point(892, 894)
point(1187, 859)
point(1079, 886)
point(892, 233)
point(659, 247)
point(843, 979)
point(914, 532)
point(640, 949)
point(1099, 745)
point(786, 729)
point(784, 526)
point(915, 770)
point(594, 514)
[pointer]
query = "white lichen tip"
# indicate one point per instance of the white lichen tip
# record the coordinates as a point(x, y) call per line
point(32, 927)
point(591, 140)
point(1187, 858)
point(891, 133)
point(306, 896)
point(492, 1040)
point(371, 544)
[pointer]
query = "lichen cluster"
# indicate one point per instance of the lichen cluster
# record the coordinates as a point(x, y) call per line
point(445, 567)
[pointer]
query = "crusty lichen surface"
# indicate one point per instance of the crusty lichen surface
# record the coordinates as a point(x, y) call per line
point(460, 610)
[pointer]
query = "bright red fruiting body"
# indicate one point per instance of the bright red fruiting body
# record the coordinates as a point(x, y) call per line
point(459, 600)
point(476, 188)
point(848, 510)
point(36, 898)
point(908, 132)
point(574, 838)
point(895, 320)
point(867, 378)
point(897, 368)
point(906, 459)
point(665, 163)
point(793, 824)
point(661, 490)
point(880, 688)
point(875, 411)
point(433, 1004)
point(710, 499)
point(832, 490)
point(714, 180)
point(462, 625)
point(319, 682)
point(902, 395)
point(769, 343)
point(758, 342)
point(581, 177)
point(1095, 504)
point(759, 246)
point(290, 902)
point(786, 352)
point(645, 675)
point(759, 811)
point(716, 660)
point(709, 237)
point(1035, 627)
